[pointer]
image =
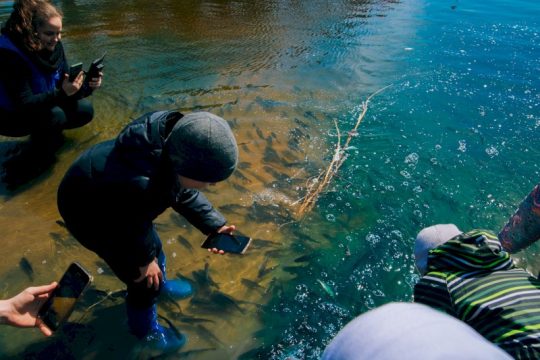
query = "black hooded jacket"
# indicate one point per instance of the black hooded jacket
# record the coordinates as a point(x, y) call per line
point(117, 188)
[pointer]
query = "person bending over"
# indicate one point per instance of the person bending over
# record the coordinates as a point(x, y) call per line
point(112, 193)
point(471, 276)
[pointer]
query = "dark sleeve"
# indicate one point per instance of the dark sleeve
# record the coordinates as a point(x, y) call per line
point(196, 208)
point(144, 246)
point(433, 291)
point(16, 77)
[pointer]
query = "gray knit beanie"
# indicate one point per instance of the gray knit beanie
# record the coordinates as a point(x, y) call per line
point(202, 147)
point(429, 238)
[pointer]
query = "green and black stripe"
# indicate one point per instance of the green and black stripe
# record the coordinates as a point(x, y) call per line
point(473, 279)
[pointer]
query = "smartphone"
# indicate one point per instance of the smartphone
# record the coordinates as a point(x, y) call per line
point(95, 68)
point(74, 70)
point(61, 302)
point(235, 244)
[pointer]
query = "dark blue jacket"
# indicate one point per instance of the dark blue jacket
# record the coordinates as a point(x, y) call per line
point(120, 186)
point(39, 80)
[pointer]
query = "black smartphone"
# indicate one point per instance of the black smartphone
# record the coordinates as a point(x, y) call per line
point(61, 302)
point(235, 244)
point(96, 66)
point(74, 70)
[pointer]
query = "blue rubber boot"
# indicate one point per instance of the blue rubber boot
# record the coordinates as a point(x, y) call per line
point(177, 288)
point(144, 325)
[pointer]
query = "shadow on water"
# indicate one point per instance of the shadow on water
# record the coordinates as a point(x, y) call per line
point(99, 338)
point(24, 164)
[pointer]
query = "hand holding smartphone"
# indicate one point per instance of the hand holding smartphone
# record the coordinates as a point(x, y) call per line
point(74, 71)
point(95, 68)
point(62, 301)
point(235, 244)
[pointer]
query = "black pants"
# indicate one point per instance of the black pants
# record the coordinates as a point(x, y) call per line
point(70, 114)
point(113, 246)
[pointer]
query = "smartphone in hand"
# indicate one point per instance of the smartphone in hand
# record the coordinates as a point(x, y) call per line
point(61, 302)
point(95, 68)
point(235, 244)
point(74, 70)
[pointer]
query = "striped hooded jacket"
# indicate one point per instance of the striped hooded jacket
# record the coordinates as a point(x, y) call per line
point(473, 279)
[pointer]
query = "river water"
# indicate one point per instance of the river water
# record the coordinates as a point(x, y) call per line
point(451, 139)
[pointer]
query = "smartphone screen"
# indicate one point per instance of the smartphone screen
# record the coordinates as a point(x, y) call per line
point(235, 244)
point(74, 70)
point(60, 304)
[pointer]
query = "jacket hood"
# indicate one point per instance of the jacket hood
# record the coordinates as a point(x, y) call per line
point(140, 144)
point(476, 250)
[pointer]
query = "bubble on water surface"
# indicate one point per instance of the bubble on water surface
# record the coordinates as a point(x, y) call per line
point(462, 146)
point(412, 159)
point(492, 151)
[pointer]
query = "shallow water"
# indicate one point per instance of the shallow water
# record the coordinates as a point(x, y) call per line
point(451, 140)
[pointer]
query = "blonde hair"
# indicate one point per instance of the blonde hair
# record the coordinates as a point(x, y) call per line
point(26, 17)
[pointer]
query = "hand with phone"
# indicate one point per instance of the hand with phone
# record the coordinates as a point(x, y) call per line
point(223, 241)
point(73, 80)
point(22, 309)
point(61, 302)
point(94, 74)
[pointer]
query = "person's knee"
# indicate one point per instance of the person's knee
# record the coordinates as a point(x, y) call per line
point(58, 118)
point(85, 110)
point(81, 115)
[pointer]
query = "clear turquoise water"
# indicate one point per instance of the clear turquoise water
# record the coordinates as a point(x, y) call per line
point(451, 140)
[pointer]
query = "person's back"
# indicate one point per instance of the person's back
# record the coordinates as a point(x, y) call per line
point(472, 278)
point(408, 331)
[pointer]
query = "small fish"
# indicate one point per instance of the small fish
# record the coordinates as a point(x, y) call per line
point(191, 319)
point(250, 284)
point(347, 251)
point(207, 275)
point(240, 188)
point(267, 270)
point(242, 177)
point(259, 132)
point(203, 280)
point(184, 242)
point(262, 267)
point(301, 123)
point(225, 300)
point(327, 288)
point(244, 165)
point(263, 243)
point(274, 287)
point(26, 267)
point(207, 335)
point(271, 156)
point(233, 208)
point(178, 220)
point(172, 327)
point(167, 300)
point(162, 226)
point(59, 239)
point(61, 223)
point(305, 258)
